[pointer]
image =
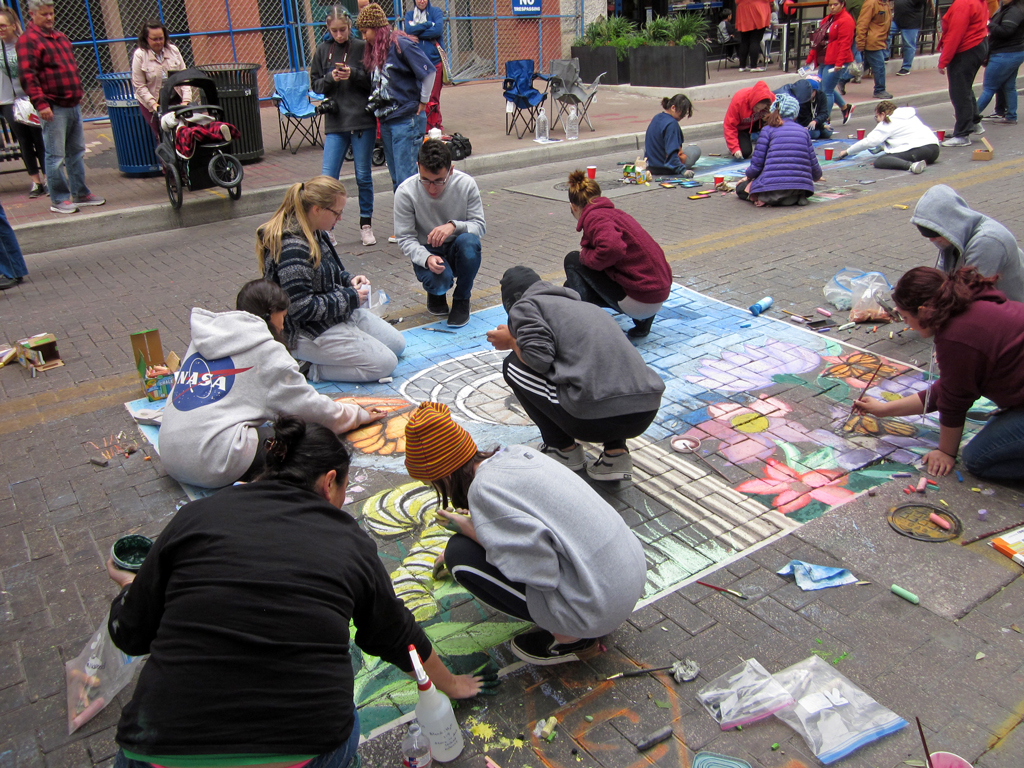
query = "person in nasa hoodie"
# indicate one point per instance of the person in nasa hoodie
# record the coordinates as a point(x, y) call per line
point(237, 375)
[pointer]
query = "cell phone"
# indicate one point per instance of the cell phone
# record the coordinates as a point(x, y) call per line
point(821, 323)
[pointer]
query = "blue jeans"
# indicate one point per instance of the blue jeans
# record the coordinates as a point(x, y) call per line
point(12, 263)
point(1001, 77)
point(461, 260)
point(997, 452)
point(335, 147)
point(400, 147)
point(875, 60)
point(909, 43)
point(830, 77)
point(339, 758)
point(64, 140)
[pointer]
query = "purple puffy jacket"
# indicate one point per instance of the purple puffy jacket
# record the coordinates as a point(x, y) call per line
point(783, 159)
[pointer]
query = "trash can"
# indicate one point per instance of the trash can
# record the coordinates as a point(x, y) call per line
point(133, 139)
point(239, 95)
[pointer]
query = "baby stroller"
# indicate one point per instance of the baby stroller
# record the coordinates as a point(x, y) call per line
point(195, 145)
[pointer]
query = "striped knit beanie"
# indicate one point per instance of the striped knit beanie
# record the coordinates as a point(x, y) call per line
point(435, 446)
point(371, 17)
point(787, 105)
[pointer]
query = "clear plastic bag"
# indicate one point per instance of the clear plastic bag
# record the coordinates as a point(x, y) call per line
point(95, 677)
point(834, 716)
point(742, 695)
point(837, 291)
point(866, 290)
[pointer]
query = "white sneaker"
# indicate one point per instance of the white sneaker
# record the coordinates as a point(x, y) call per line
point(742, 69)
point(978, 129)
point(366, 233)
point(957, 141)
point(392, 239)
point(758, 69)
point(918, 167)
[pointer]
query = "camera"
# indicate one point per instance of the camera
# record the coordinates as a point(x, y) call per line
point(327, 107)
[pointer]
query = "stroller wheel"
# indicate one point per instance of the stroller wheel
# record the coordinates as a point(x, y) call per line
point(174, 188)
point(235, 192)
point(225, 170)
point(378, 156)
point(349, 155)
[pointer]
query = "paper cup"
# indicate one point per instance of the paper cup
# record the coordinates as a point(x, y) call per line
point(860, 134)
point(941, 135)
point(719, 180)
point(591, 171)
point(828, 154)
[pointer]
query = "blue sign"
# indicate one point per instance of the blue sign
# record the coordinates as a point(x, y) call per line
point(526, 7)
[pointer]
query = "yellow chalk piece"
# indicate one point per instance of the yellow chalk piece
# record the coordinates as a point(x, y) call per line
point(901, 207)
point(890, 334)
point(976, 490)
point(549, 728)
point(943, 503)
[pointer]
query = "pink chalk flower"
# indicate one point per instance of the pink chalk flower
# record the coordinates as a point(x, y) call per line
point(794, 490)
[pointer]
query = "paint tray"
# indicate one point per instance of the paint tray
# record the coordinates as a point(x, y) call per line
point(711, 760)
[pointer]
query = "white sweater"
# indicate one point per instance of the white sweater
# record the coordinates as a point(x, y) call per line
point(903, 131)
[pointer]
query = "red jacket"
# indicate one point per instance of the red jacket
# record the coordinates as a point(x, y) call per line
point(47, 68)
point(615, 243)
point(840, 39)
point(964, 26)
point(740, 112)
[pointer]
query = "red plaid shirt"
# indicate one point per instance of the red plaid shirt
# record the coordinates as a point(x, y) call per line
point(47, 69)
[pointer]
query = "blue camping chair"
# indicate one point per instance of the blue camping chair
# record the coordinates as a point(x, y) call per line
point(523, 99)
point(297, 118)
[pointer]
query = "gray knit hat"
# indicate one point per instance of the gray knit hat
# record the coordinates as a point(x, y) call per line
point(787, 106)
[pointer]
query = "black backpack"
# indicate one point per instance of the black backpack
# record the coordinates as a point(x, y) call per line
point(460, 147)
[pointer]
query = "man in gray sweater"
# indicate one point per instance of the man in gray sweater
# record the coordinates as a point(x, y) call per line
point(439, 221)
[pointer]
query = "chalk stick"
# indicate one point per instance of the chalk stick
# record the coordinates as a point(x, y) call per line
point(910, 597)
point(656, 737)
point(744, 325)
point(549, 728)
point(921, 485)
point(959, 477)
point(98, 462)
point(901, 474)
point(940, 521)
point(844, 326)
point(824, 312)
point(932, 482)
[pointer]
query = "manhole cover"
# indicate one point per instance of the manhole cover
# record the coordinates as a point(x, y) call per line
point(911, 520)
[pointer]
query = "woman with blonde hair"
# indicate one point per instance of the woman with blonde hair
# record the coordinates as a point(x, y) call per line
point(618, 265)
point(326, 324)
point(29, 137)
point(907, 143)
point(152, 61)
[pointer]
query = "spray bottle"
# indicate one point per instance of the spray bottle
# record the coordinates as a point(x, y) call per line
point(435, 715)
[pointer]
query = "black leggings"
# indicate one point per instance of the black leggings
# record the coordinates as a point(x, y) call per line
point(901, 161)
point(557, 427)
point(467, 562)
point(30, 140)
point(746, 143)
point(593, 285)
point(750, 47)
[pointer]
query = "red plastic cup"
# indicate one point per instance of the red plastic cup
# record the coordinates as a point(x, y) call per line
point(828, 154)
point(591, 171)
point(941, 135)
point(719, 180)
point(860, 134)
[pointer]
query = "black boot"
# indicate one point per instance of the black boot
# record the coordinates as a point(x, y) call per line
point(437, 305)
point(640, 328)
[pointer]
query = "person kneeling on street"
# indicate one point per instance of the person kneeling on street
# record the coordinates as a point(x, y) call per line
point(535, 541)
point(744, 117)
point(907, 143)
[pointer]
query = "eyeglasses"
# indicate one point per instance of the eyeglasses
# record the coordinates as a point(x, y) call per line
point(434, 182)
point(336, 213)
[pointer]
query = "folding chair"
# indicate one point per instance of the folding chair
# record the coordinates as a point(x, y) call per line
point(565, 87)
point(522, 99)
point(296, 116)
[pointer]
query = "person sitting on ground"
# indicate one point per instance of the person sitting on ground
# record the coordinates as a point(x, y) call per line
point(575, 375)
point(326, 324)
point(618, 265)
point(908, 144)
point(439, 220)
point(784, 167)
point(966, 238)
point(535, 541)
point(244, 606)
point(237, 375)
point(979, 349)
point(811, 116)
point(742, 124)
point(663, 144)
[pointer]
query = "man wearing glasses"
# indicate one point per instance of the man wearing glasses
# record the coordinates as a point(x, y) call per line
point(439, 221)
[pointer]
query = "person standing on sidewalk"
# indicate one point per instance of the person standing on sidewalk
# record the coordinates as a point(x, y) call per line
point(841, 30)
point(153, 60)
point(1006, 54)
point(49, 75)
point(426, 23)
point(873, 41)
point(12, 262)
point(962, 50)
point(29, 137)
point(907, 19)
point(753, 17)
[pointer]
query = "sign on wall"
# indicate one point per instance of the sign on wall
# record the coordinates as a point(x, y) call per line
point(526, 7)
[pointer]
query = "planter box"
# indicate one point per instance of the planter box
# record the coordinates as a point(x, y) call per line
point(594, 61)
point(667, 66)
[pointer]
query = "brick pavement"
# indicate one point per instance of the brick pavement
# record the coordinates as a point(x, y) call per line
point(59, 514)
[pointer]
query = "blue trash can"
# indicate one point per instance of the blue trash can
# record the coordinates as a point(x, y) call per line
point(133, 139)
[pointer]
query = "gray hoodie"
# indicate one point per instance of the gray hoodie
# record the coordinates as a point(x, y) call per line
point(977, 241)
point(580, 349)
point(544, 526)
point(235, 377)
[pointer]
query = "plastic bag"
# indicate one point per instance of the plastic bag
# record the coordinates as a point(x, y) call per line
point(837, 291)
point(95, 677)
point(25, 113)
point(834, 716)
point(743, 694)
point(866, 290)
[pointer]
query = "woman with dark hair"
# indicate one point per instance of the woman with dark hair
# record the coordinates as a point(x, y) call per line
point(244, 605)
point(663, 143)
point(979, 347)
point(237, 375)
point(29, 137)
point(835, 61)
point(535, 541)
point(153, 60)
point(1005, 55)
point(403, 79)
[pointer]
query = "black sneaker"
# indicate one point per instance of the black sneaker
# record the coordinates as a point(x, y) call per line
point(881, 95)
point(437, 305)
point(847, 112)
point(640, 328)
point(38, 190)
point(9, 282)
point(459, 315)
point(540, 647)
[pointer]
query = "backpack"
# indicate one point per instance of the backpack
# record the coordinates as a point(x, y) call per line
point(819, 37)
point(460, 147)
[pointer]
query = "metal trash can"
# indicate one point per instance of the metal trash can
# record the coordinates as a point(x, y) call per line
point(133, 139)
point(239, 94)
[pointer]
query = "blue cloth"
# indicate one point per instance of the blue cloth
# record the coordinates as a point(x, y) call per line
point(809, 576)
point(875, 61)
point(663, 139)
point(997, 452)
point(428, 33)
point(783, 159)
point(400, 147)
point(64, 140)
point(1001, 77)
point(909, 43)
point(12, 262)
point(461, 260)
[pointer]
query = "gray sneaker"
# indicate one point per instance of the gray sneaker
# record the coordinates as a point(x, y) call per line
point(574, 459)
point(612, 468)
point(91, 199)
point(957, 141)
point(978, 129)
point(65, 206)
point(918, 167)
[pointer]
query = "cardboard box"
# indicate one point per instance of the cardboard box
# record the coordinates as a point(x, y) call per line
point(7, 353)
point(984, 154)
point(148, 351)
point(39, 352)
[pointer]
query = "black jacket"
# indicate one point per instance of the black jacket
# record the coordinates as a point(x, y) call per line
point(1006, 30)
point(351, 95)
point(909, 14)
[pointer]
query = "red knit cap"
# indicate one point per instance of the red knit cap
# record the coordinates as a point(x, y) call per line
point(435, 446)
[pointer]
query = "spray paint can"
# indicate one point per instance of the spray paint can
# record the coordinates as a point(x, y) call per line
point(762, 306)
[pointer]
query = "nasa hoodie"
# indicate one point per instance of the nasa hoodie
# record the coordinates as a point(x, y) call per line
point(235, 377)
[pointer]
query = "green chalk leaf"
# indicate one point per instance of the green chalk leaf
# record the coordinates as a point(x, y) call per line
point(663, 704)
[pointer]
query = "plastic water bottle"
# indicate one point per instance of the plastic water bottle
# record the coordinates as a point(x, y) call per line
point(435, 715)
point(542, 125)
point(572, 125)
point(415, 748)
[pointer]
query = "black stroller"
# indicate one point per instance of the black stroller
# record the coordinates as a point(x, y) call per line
point(211, 163)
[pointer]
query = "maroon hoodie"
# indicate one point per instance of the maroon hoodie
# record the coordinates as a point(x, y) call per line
point(980, 354)
point(614, 242)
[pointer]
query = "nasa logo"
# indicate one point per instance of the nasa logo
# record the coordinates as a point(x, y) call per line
point(200, 382)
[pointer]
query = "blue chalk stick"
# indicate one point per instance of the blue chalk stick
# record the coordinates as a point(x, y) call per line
point(959, 477)
point(744, 325)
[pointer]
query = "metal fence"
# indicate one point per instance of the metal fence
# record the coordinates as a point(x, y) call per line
point(281, 35)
